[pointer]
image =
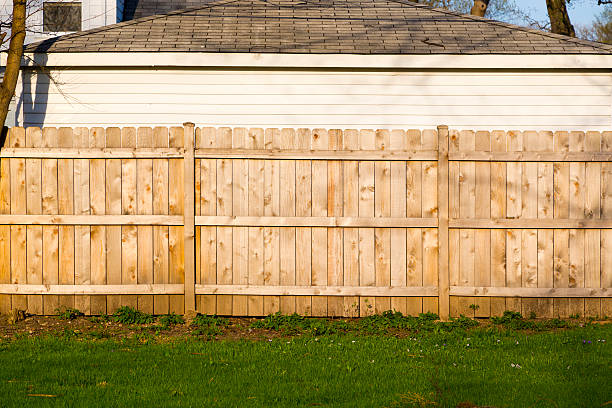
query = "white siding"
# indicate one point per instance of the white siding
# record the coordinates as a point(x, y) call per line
point(330, 99)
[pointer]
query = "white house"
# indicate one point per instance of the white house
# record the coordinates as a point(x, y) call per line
point(50, 18)
point(317, 63)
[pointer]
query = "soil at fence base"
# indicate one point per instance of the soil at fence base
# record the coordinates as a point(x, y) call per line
point(88, 326)
point(94, 327)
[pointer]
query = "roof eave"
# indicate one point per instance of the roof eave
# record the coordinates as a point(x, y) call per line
point(257, 60)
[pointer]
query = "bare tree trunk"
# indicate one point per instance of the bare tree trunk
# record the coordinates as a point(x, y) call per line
point(559, 19)
point(479, 8)
point(13, 61)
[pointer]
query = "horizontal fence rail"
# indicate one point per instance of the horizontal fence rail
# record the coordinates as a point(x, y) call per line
point(247, 222)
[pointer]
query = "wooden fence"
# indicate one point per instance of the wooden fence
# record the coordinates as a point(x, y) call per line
point(319, 222)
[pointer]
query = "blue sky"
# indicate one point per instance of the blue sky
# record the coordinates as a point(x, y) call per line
point(582, 13)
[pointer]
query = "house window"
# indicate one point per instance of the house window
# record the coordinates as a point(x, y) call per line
point(61, 16)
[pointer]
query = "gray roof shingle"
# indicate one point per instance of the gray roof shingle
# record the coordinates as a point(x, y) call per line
point(312, 27)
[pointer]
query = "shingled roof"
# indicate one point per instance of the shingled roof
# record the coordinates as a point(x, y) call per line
point(314, 27)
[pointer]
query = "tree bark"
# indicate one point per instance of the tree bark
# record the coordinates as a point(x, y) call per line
point(13, 61)
point(559, 19)
point(479, 8)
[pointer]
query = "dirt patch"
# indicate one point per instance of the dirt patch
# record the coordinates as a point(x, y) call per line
point(96, 327)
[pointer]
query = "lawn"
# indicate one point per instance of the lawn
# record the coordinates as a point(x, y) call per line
point(442, 366)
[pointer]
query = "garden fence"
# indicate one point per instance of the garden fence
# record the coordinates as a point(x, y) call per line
point(248, 222)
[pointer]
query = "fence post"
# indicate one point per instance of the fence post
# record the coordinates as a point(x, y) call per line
point(189, 218)
point(443, 277)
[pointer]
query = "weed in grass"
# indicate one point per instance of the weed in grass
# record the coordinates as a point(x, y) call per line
point(171, 320)
point(70, 334)
point(474, 307)
point(129, 315)
point(289, 324)
point(295, 324)
point(515, 321)
point(68, 313)
point(210, 326)
point(414, 399)
point(99, 334)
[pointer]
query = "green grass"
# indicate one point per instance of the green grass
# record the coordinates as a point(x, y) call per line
point(442, 368)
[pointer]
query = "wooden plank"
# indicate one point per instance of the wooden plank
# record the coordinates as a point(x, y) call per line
point(19, 264)
point(531, 156)
point(287, 236)
point(265, 221)
point(367, 271)
point(144, 201)
point(453, 213)
point(382, 236)
point(531, 292)
point(529, 268)
point(240, 187)
point(129, 206)
point(272, 198)
point(93, 152)
point(97, 139)
point(34, 234)
point(429, 139)
point(529, 209)
point(320, 153)
point(256, 234)
point(97, 201)
point(5, 233)
point(65, 191)
point(545, 270)
point(443, 217)
point(82, 234)
point(224, 234)
point(131, 220)
point(561, 197)
point(498, 210)
point(91, 289)
point(482, 238)
point(514, 265)
point(467, 210)
point(606, 269)
point(498, 269)
point(208, 235)
point(18, 201)
point(113, 206)
point(561, 270)
point(188, 213)
point(176, 206)
point(577, 200)
point(320, 141)
point(520, 223)
point(592, 209)
point(545, 237)
point(431, 264)
point(576, 269)
point(351, 235)
point(402, 198)
point(606, 213)
point(369, 292)
point(161, 303)
point(50, 234)
point(335, 247)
